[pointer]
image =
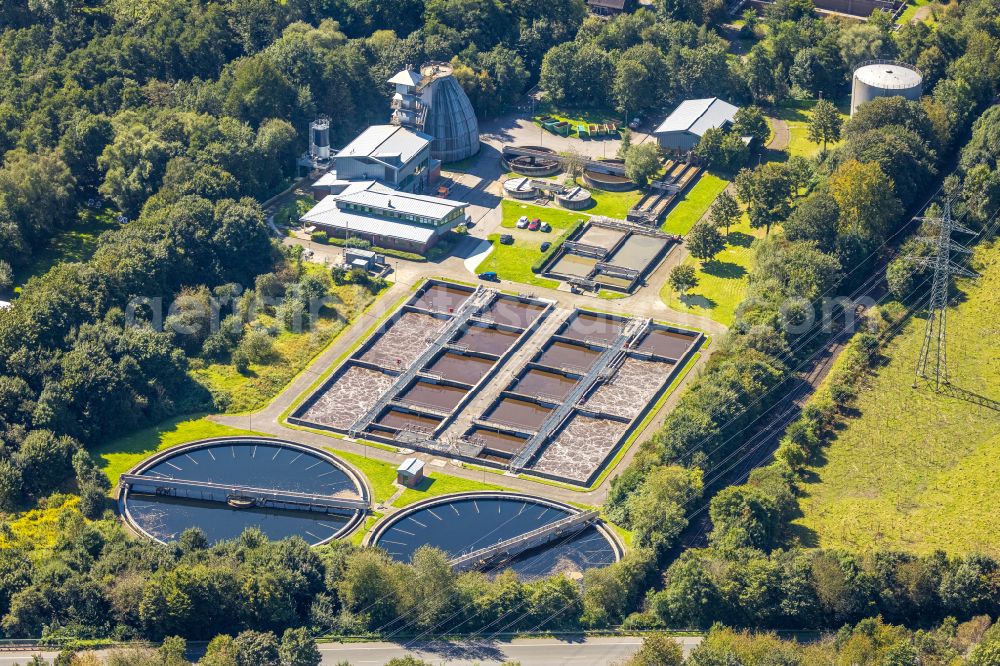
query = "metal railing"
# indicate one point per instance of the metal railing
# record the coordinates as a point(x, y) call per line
point(538, 537)
point(476, 301)
point(633, 329)
point(220, 492)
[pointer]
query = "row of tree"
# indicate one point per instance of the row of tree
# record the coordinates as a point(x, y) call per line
point(829, 240)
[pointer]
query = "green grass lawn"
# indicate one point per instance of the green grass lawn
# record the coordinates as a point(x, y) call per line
point(243, 392)
point(438, 483)
point(514, 262)
point(797, 113)
point(722, 282)
point(912, 469)
point(120, 455)
point(608, 204)
point(911, 10)
point(559, 218)
point(77, 243)
point(696, 200)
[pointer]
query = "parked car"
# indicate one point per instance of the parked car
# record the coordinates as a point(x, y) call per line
point(489, 276)
point(545, 246)
point(535, 225)
point(506, 239)
point(546, 227)
point(635, 123)
point(523, 222)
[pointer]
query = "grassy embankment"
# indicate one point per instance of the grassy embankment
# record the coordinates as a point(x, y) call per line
point(912, 469)
point(250, 390)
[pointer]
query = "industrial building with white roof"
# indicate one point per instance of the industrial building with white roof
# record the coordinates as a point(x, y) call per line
point(385, 217)
point(370, 188)
point(684, 127)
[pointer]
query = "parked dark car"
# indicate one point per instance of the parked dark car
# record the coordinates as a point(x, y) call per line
point(506, 239)
point(489, 276)
point(546, 227)
point(545, 246)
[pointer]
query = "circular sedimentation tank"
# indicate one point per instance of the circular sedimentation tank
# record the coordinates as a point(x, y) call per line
point(520, 187)
point(574, 198)
point(885, 78)
point(533, 165)
point(466, 522)
point(218, 471)
point(608, 182)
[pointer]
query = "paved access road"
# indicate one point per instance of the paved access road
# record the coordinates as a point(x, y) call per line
point(597, 651)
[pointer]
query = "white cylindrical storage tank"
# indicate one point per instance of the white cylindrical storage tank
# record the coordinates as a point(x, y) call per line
point(885, 78)
point(319, 139)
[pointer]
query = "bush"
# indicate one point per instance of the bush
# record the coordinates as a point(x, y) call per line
point(358, 243)
point(842, 393)
point(240, 361)
point(257, 345)
point(320, 237)
point(293, 315)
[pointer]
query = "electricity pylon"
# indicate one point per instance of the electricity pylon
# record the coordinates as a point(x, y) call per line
point(934, 350)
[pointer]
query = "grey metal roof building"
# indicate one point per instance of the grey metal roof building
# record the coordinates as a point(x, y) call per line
point(386, 217)
point(432, 101)
point(684, 127)
point(397, 156)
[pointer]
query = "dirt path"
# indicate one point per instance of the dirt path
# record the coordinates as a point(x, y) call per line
point(781, 135)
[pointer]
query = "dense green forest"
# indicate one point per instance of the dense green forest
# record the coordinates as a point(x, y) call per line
point(182, 116)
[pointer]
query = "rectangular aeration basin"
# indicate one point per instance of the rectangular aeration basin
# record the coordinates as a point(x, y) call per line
point(486, 340)
point(544, 384)
point(457, 367)
point(510, 311)
point(633, 387)
point(580, 448)
point(442, 298)
point(516, 412)
point(404, 341)
point(568, 355)
point(354, 391)
point(594, 328)
point(440, 397)
point(666, 343)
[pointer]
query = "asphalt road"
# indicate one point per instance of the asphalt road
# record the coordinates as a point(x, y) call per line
point(597, 651)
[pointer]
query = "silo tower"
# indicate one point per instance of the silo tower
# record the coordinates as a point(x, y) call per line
point(432, 101)
point(319, 139)
point(885, 78)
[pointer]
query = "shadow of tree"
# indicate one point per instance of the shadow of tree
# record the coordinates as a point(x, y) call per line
point(695, 300)
point(724, 269)
point(740, 239)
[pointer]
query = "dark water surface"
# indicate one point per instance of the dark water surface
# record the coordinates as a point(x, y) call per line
point(465, 525)
point(256, 465)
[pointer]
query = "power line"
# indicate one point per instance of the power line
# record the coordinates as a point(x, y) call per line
point(934, 349)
